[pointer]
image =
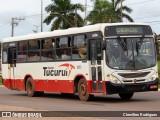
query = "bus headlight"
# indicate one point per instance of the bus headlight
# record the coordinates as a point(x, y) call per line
point(154, 76)
point(114, 79)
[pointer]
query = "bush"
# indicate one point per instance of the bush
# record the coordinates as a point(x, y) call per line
point(0, 80)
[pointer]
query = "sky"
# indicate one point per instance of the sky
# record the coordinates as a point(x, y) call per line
point(147, 11)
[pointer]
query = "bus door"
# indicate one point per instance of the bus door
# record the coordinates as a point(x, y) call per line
point(12, 66)
point(96, 65)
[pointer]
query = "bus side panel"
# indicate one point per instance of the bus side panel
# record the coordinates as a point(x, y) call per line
point(71, 69)
point(40, 85)
point(20, 84)
point(64, 86)
point(6, 76)
point(7, 83)
point(49, 77)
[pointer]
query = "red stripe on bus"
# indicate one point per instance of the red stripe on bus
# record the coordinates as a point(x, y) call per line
point(63, 86)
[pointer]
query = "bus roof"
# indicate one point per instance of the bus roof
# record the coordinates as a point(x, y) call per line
point(76, 30)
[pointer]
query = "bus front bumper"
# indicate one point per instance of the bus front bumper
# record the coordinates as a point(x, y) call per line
point(112, 88)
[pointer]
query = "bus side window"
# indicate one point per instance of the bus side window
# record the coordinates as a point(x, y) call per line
point(5, 54)
point(48, 51)
point(79, 47)
point(63, 48)
point(34, 50)
point(22, 51)
point(34, 45)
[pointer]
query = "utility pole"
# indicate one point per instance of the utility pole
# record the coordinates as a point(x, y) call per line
point(75, 17)
point(15, 23)
point(121, 11)
point(85, 22)
point(41, 15)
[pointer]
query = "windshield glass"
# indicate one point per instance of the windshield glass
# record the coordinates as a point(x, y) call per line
point(130, 53)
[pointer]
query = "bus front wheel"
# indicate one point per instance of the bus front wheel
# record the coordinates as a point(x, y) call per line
point(126, 96)
point(82, 91)
point(30, 88)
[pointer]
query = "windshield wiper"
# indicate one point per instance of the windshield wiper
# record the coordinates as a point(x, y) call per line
point(123, 44)
point(139, 44)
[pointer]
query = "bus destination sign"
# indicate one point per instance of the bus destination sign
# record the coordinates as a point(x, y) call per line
point(128, 30)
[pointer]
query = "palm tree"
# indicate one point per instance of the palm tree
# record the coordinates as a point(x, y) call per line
point(101, 12)
point(105, 11)
point(62, 12)
point(117, 11)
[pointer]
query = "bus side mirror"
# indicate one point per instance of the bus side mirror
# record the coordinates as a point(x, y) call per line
point(103, 45)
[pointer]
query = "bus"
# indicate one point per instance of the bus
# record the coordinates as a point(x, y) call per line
point(106, 58)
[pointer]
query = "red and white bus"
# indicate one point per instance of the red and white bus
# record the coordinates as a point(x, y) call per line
point(103, 58)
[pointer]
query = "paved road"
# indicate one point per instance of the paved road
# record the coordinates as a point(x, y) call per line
point(149, 101)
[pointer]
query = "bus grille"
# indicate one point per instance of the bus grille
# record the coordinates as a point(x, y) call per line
point(138, 80)
point(133, 75)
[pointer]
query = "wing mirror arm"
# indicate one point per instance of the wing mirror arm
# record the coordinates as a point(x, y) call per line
point(103, 45)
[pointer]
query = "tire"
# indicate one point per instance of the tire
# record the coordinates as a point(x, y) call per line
point(30, 89)
point(82, 91)
point(126, 96)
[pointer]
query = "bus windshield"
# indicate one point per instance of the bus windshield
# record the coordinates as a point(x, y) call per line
point(130, 53)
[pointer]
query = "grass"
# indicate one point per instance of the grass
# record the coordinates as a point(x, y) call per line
point(159, 68)
point(0, 80)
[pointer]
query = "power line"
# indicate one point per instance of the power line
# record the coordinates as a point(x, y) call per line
point(4, 27)
point(158, 15)
point(155, 24)
point(141, 2)
point(89, 6)
point(4, 22)
point(35, 15)
point(151, 21)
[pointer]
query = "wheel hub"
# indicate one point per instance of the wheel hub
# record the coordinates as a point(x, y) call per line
point(83, 89)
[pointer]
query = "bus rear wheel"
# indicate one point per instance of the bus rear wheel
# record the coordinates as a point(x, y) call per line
point(126, 96)
point(30, 88)
point(82, 91)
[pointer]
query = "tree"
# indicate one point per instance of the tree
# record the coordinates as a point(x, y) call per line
point(101, 12)
point(116, 10)
point(105, 11)
point(62, 12)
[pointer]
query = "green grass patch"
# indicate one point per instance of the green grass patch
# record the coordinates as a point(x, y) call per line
point(159, 82)
point(159, 68)
point(0, 80)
